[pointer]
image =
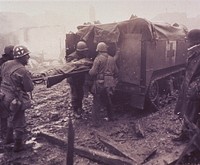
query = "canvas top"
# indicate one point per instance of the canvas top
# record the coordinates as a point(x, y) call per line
point(150, 31)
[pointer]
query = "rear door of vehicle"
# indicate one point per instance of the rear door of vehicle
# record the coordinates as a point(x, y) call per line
point(130, 59)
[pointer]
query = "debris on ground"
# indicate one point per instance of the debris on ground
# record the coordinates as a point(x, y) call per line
point(135, 137)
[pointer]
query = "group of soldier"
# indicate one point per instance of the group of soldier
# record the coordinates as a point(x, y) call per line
point(104, 73)
point(16, 82)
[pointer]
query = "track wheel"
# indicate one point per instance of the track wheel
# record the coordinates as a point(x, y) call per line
point(153, 92)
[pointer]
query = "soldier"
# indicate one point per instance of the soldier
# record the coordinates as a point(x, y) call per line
point(104, 71)
point(188, 103)
point(16, 82)
point(76, 82)
point(8, 55)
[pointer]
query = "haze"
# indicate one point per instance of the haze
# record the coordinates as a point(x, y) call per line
point(105, 11)
point(42, 25)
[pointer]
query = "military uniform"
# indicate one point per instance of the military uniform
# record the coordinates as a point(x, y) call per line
point(188, 103)
point(16, 83)
point(104, 71)
point(8, 55)
point(76, 83)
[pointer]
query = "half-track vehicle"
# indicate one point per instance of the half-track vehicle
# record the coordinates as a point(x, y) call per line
point(151, 57)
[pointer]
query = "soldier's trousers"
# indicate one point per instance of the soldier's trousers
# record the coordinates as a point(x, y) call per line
point(101, 99)
point(77, 94)
point(16, 118)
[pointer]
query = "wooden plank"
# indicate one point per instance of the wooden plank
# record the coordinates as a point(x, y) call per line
point(114, 147)
point(92, 154)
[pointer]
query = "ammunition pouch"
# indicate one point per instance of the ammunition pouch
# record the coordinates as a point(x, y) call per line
point(98, 86)
point(104, 82)
point(110, 81)
point(15, 105)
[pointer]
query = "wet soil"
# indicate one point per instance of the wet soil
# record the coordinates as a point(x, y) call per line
point(50, 113)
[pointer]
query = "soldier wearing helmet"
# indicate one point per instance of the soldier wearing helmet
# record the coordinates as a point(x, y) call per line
point(16, 82)
point(102, 47)
point(77, 82)
point(193, 37)
point(189, 98)
point(104, 71)
point(8, 55)
point(81, 52)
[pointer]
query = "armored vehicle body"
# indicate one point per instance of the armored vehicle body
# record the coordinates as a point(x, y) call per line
point(151, 59)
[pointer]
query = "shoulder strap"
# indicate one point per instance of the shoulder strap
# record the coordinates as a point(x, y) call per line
point(107, 66)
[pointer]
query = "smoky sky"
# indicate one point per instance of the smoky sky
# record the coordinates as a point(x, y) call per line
point(105, 10)
point(69, 14)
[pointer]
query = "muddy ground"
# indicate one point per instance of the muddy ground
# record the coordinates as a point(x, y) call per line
point(49, 114)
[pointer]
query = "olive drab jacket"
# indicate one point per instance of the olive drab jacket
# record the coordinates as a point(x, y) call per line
point(190, 90)
point(16, 82)
point(104, 71)
point(77, 78)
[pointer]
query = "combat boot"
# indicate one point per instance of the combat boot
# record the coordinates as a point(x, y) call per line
point(9, 136)
point(18, 146)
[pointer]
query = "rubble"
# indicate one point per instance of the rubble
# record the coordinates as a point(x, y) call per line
point(117, 139)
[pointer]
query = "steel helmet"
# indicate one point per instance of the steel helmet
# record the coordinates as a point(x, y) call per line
point(20, 51)
point(8, 49)
point(102, 47)
point(194, 35)
point(81, 46)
